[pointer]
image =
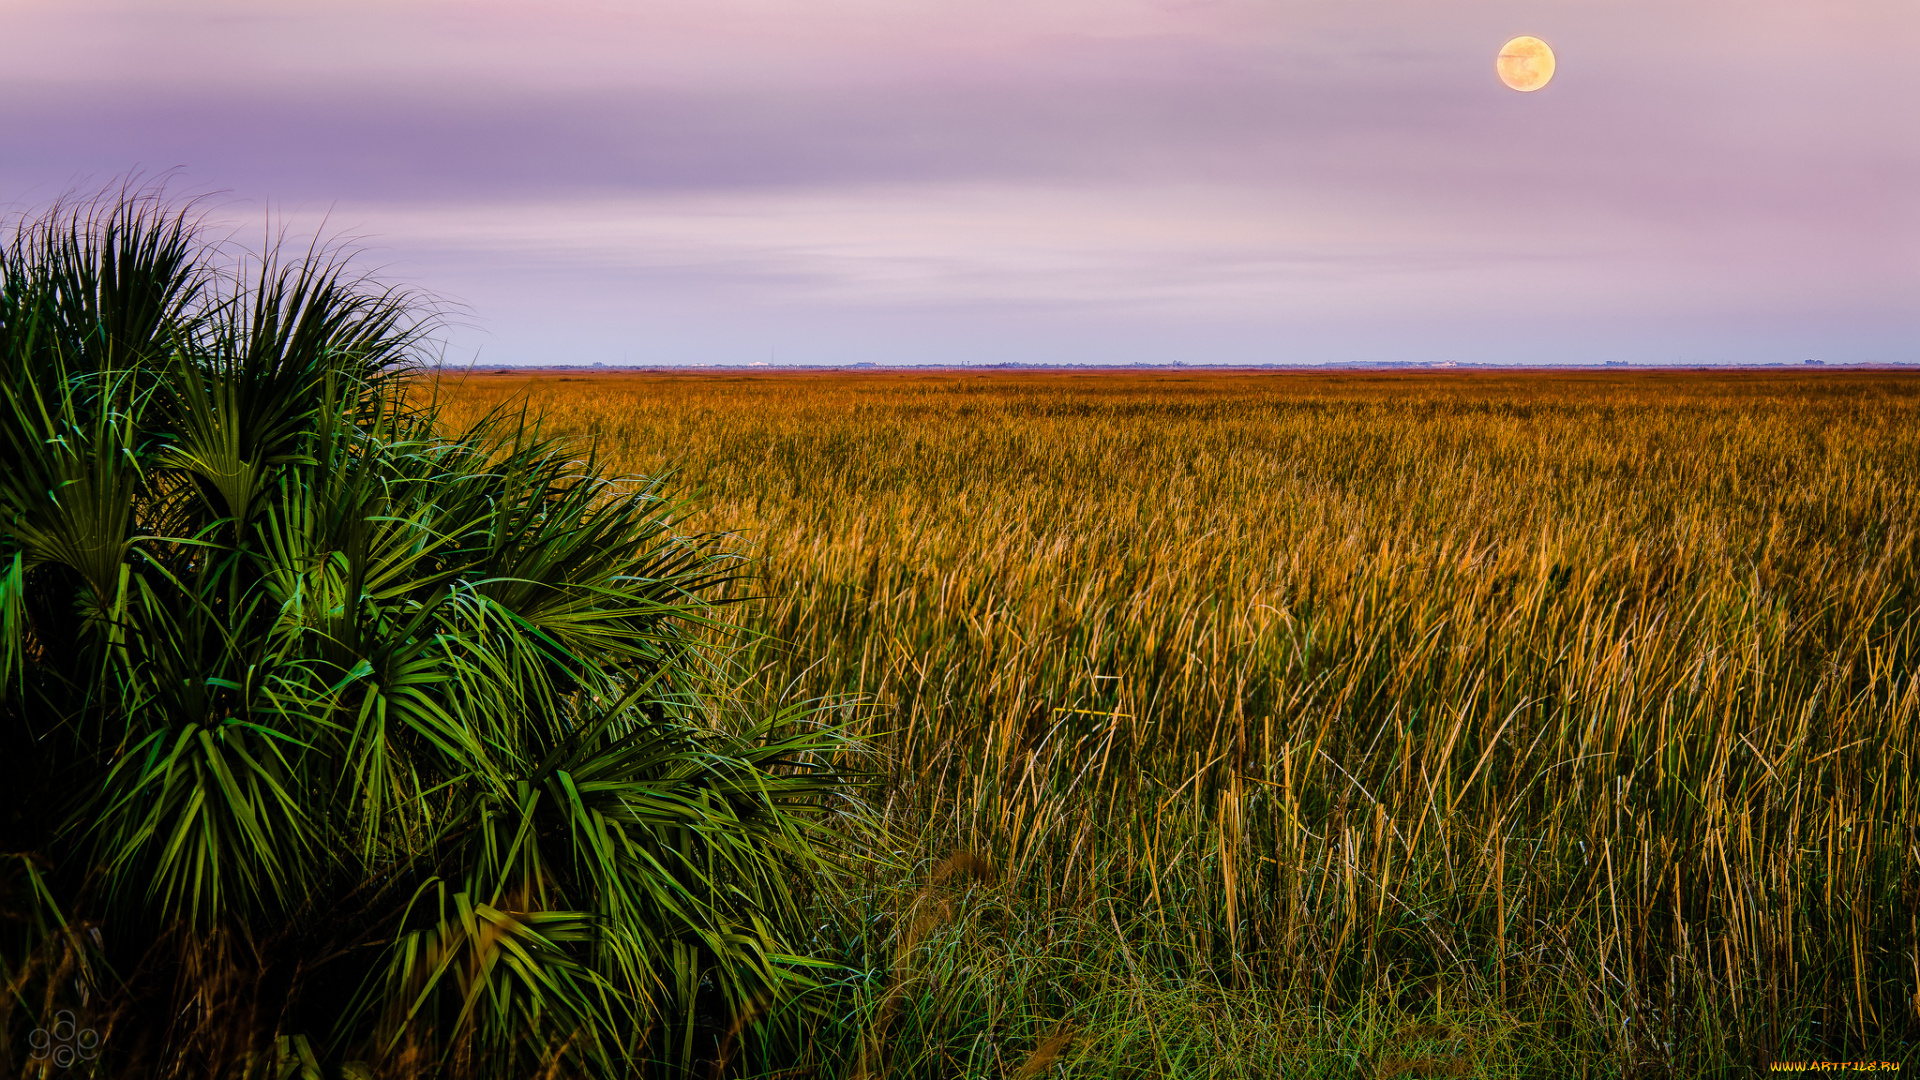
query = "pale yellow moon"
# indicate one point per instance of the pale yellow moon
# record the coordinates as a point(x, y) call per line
point(1525, 63)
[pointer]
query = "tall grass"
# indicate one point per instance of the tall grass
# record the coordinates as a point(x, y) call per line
point(1403, 724)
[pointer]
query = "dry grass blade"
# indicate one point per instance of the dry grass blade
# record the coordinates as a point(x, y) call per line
point(1046, 1053)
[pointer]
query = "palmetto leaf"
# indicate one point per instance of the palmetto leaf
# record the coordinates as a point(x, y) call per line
point(194, 813)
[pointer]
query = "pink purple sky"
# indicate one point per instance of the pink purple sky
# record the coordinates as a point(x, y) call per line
point(1077, 181)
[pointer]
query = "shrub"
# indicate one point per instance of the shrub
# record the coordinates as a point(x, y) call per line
point(335, 744)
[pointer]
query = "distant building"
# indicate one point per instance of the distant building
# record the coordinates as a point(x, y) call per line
point(1818, 363)
point(1616, 363)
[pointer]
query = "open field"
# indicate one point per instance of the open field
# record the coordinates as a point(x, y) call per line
point(1358, 724)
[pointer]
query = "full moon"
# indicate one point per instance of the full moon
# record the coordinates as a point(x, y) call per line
point(1525, 63)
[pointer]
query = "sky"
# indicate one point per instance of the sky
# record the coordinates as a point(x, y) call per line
point(1033, 181)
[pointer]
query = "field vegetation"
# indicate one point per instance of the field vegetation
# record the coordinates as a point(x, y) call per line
point(1330, 724)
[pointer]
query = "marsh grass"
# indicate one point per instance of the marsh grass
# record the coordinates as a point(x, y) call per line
point(1340, 725)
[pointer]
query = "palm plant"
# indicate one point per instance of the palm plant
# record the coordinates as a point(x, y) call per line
point(335, 745)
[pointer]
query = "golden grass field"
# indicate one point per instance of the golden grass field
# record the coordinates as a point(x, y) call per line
point(1336, 724)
